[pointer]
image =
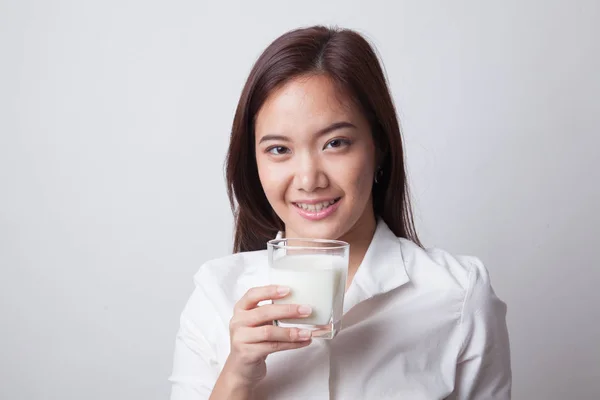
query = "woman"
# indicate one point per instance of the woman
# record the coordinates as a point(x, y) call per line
point(316, 152)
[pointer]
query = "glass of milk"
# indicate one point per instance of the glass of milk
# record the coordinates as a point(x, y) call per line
point(315, 270)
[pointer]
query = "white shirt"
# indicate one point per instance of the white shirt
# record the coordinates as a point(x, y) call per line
point(417, 324)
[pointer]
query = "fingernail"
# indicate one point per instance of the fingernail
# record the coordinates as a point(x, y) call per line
point(304, 310)
point(304, 334)
point(281, 290)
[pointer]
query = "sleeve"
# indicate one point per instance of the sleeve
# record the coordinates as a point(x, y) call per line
point(195, 368)
point(483, 370)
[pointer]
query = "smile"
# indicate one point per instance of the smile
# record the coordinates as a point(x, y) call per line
point(317, 210)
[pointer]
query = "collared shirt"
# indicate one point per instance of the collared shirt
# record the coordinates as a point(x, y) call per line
point(417, 324)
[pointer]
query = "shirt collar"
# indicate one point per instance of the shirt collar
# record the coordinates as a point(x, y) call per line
point(381, 270)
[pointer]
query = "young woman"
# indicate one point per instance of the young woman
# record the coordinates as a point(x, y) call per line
point(316, 152)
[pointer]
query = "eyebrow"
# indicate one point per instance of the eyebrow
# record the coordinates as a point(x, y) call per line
point(333, 127)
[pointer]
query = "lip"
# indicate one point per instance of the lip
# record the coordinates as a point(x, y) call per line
point(317, 215)
point(315, 201)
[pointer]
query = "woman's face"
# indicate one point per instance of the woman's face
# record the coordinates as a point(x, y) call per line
point(316, 159)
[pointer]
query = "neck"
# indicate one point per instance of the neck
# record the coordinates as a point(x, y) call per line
point(359, 238)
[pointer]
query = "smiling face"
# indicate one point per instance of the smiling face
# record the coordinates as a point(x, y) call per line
point(316, 160)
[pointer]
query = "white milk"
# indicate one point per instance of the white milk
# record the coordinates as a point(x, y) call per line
point(314, 280)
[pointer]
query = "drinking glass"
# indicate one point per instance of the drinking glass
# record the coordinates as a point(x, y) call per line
point(315, 270)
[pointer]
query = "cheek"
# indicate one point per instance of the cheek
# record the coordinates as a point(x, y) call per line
point(360, 179)
point(272, 179)
point(358, 175)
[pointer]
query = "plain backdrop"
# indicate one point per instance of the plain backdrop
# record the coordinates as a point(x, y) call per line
point(114, 123)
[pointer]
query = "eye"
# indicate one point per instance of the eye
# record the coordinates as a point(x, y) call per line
point(337, 143)
point(278, 150)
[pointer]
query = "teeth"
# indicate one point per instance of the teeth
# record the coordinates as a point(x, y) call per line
point(315, 207)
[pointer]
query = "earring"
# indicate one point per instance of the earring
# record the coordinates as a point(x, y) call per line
point(378, 175)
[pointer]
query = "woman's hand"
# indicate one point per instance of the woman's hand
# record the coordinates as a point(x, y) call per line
point(254, 337)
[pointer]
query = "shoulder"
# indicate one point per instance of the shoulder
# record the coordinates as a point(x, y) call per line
point(219, 284)
point(441, 266)
point(232, 275)
point(232, 266)
point(437, 269)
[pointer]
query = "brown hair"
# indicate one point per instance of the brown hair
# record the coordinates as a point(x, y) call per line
point(350, 62)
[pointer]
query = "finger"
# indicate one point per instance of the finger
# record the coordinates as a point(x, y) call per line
point(257, 294)
point(267, 348)
point(270, 312)
point(270, 333)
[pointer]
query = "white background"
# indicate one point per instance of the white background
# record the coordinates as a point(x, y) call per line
point(114, 122)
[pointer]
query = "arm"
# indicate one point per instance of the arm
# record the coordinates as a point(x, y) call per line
point(483, 370)
point(228, 387)
point(195, 367)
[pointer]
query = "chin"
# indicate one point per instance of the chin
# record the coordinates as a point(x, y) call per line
point(330, 230)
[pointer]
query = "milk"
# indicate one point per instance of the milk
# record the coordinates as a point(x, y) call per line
point(315, 280)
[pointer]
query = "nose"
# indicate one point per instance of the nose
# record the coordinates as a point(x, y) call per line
point(309, 174)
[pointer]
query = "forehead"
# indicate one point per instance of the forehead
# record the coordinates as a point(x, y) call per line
point(305, 103)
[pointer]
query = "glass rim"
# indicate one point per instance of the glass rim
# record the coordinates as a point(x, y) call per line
point(333, 244)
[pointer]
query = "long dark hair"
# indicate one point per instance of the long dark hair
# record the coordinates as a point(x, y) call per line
point(350, 62)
